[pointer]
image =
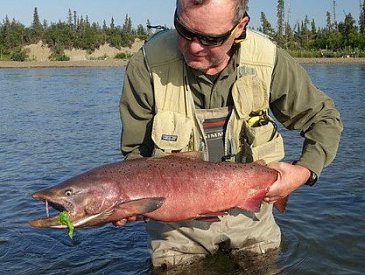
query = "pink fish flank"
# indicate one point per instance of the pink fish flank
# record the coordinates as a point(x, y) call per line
point(194, 187)
point(171, 188)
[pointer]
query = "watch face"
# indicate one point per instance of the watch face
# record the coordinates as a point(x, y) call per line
point(312, 179)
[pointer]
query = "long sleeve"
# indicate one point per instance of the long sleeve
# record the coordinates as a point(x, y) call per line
point(136, 109)
point(299, 105)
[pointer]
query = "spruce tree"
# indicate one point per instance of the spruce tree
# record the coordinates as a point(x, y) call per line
point(266, 26)
point(127, 26)
point(280, 17)
point(362, 18)
point(36, 25)
point(75, 20)
point(36, 28)
point(328, 21)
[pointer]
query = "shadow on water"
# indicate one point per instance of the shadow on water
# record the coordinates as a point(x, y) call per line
point(228, 262)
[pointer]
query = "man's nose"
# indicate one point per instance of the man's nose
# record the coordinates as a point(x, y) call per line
point(195, 45)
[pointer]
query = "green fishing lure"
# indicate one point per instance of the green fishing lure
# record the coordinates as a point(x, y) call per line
point(65, 219)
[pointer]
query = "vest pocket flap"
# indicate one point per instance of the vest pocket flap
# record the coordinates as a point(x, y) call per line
point(259, 135)
point(270, 151)
point(171, 130)
point(263, 142)
point(249, 94)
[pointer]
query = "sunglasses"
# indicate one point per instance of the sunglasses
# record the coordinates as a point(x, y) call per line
point(205, 40)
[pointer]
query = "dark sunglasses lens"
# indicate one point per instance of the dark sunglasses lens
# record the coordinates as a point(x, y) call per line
point(183, 31)
point(204, 40)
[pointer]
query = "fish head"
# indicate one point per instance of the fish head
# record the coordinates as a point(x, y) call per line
point(88, 201)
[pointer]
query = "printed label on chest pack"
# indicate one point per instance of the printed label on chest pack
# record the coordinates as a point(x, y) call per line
point(169, 137)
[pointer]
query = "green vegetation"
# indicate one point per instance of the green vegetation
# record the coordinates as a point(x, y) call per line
point(304, 39)
point(122, 55)
point(18, 54)
point(78, 32)
point(336, 39)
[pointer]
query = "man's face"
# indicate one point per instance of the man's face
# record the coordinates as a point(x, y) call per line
point(214, 18)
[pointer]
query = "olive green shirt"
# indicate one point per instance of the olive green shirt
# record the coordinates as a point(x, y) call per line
point(294, 101)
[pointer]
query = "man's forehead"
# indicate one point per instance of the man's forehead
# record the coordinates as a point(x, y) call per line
point(214, 18)
point(224, 8)
point(187, 4)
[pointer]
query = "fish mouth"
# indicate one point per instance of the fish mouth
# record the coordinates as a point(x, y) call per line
point(76, 217)
point(54, 220)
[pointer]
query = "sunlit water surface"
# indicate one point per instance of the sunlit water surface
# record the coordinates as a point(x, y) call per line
point(56, 123)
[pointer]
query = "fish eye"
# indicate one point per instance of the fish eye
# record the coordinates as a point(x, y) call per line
point(68, 192)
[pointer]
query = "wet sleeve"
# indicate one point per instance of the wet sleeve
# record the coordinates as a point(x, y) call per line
point(136, 109)
point(299, 105)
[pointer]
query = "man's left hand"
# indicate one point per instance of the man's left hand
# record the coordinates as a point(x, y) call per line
point(290, 177)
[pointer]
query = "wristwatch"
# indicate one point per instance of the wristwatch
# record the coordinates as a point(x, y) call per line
point(312, 179)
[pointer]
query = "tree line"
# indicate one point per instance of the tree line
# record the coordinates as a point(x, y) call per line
point(304, 39)
point(77, 32)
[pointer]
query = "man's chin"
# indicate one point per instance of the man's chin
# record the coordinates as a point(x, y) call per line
point(198, 65)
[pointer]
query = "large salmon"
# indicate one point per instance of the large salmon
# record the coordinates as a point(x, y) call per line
point(171, 188)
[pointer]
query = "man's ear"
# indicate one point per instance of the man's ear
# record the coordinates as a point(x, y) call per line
point(241, 28)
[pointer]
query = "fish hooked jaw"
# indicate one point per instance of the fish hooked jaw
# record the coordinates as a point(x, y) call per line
point(61, 205)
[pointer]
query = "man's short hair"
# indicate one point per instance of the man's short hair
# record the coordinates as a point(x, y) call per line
point(241, 7)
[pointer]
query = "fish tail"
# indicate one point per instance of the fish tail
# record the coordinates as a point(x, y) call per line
point(281, 204)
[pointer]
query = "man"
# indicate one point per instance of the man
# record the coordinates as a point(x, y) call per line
point(208, 86)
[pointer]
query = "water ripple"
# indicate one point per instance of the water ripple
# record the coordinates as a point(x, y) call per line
point(66, 121)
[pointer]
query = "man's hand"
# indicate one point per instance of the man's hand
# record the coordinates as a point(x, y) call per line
point(120, 222)
point(290, 178)
point(129, 219)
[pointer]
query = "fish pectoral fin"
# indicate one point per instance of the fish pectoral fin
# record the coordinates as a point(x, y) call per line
point(208, 219)
point(140, 206)
point(211, 217)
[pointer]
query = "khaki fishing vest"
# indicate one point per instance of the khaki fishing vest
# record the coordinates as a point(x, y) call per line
point(250, 133)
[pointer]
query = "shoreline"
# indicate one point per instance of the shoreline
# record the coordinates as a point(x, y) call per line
point(124, 62)
point(63, 64)
point(333, 60)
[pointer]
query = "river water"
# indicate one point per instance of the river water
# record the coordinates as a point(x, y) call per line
point(56, 123)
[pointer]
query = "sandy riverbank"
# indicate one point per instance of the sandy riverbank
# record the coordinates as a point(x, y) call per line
point(39, 54)
point(121, 63)
point(331, 60)
point(104, 57)
point(60, 64)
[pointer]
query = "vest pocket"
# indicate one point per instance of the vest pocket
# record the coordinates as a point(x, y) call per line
point(263, 142)
point(171, 131)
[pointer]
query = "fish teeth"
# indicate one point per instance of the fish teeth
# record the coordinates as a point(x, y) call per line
point(47, 209)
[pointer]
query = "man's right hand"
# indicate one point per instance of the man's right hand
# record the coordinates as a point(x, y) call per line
point(129, 219)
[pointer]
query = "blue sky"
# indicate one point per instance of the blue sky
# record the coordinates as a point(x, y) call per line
point(161, 11)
